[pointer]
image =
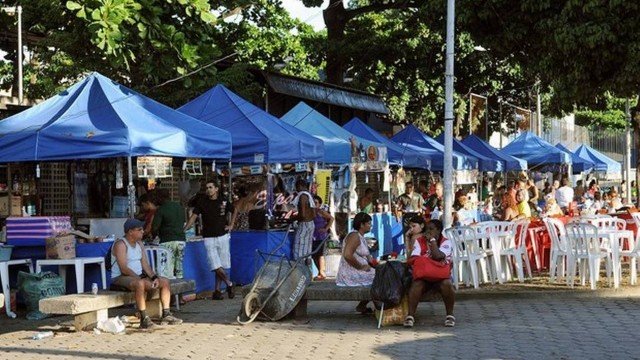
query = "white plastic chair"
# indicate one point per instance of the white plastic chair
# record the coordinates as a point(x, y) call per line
point(158, 257)
point(611, 243)
point(588, 252)
point(490, 236)
point(561, 250)
point(517, 248)
point(466, 255)
point(634, 250)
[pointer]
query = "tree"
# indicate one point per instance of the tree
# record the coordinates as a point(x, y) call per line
point(145, 43)
point(582, 50)
point(396, 49)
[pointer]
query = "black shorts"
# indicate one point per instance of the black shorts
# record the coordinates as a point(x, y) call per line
point(319, 244)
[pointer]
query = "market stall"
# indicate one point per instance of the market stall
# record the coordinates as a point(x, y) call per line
point(507, 162)
point(100, 119)
point(262, 145)
point(578, 164)
point(539, 154)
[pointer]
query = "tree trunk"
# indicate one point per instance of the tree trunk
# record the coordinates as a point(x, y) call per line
point(335, 18)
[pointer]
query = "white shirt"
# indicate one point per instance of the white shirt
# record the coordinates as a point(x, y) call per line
point(564, 196)
point(445, 247)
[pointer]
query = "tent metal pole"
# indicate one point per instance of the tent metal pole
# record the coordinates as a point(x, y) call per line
point(131, 190)
point(229, 195)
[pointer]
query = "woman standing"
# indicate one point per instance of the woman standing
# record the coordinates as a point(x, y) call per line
point(322, 222)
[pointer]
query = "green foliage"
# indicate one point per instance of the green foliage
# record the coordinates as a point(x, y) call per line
point(608, 119)
point(144, 43)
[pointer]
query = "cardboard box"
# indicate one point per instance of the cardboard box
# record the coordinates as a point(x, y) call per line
point(61, 247)
point(4, 205)
point(16, 206)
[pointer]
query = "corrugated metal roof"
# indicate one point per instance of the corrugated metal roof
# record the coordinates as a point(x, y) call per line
point(325, 93)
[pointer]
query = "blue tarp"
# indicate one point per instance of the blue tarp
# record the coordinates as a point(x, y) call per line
point(398, 154)
point(536, 151)
point(509, 163)
point(602, 163)
point(337, 141)
point(485, 163)
point(257, 136)
point(578, 164)
point(412, 137)
point(99, 118)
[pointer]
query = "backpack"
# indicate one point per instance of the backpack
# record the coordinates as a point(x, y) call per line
point(108, 264)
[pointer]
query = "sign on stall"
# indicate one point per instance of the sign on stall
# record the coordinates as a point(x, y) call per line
point(154, 167)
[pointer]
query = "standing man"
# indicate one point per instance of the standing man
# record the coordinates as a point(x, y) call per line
point(435, 200)
point(215, 213)
point(303, 241)
point(412, 201)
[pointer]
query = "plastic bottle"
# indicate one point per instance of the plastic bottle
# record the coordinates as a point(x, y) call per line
point(42, 335)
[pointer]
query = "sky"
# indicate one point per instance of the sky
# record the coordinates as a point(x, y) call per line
point(312, 16)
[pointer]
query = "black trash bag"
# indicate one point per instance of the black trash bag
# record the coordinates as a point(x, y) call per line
point(390, 283)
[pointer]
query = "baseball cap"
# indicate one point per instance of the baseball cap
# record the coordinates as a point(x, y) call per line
point(132, 224)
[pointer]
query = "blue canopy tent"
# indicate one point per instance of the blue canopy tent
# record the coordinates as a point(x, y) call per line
point(99, 118)
point(508, 162)
point(578, 164)
point(337, 141)
point(398, 154)
point(485, 163)
point(537, 152)
point(413, 138)
point(257, 136)
point(602, 163)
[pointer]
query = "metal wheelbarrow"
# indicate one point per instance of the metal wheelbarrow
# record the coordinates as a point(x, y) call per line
point(278, 286)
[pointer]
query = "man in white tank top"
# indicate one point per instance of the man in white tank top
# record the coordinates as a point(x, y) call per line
point(131, 270)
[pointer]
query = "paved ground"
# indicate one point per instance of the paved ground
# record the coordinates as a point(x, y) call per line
point(520, 325)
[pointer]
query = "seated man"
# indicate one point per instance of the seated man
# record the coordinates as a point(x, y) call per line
point(131, 270)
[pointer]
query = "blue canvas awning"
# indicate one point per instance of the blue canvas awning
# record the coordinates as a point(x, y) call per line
point(416, 139)
point(509, 163)
point(536, 151)
point(578, 164)
point(99, 118)
point(398, 154)
point(258, 137)
point(485, 163)
point(602, 163)
point(338, 148)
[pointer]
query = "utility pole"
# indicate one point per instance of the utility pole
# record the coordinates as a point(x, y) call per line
point(627, 154)
point(448, 116)
point(20, 96)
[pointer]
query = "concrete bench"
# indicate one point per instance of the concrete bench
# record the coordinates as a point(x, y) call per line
point(329, 291)
point(88, 309)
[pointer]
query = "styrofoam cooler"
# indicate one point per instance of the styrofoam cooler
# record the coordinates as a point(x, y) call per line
point(33, 230)
point(332, 263)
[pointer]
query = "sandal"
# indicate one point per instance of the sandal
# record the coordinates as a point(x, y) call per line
point(319, 278)
point(450, 321)
point(408, 321)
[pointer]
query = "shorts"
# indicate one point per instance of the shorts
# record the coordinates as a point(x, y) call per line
point(303, 240)
point(319, 244)
point(123, 281)
point(218, 252)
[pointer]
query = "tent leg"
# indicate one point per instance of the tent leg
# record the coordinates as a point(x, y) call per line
point(131, 189)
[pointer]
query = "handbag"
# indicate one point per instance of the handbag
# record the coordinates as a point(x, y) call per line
point(425, 268)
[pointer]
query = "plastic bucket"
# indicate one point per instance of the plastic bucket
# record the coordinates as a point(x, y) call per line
point(5, 252)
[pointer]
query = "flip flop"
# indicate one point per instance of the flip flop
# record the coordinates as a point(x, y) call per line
point(450, 321)
point(408, 321)
point(319, 278)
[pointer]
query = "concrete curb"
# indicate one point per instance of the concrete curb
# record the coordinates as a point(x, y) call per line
point(545, 292)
